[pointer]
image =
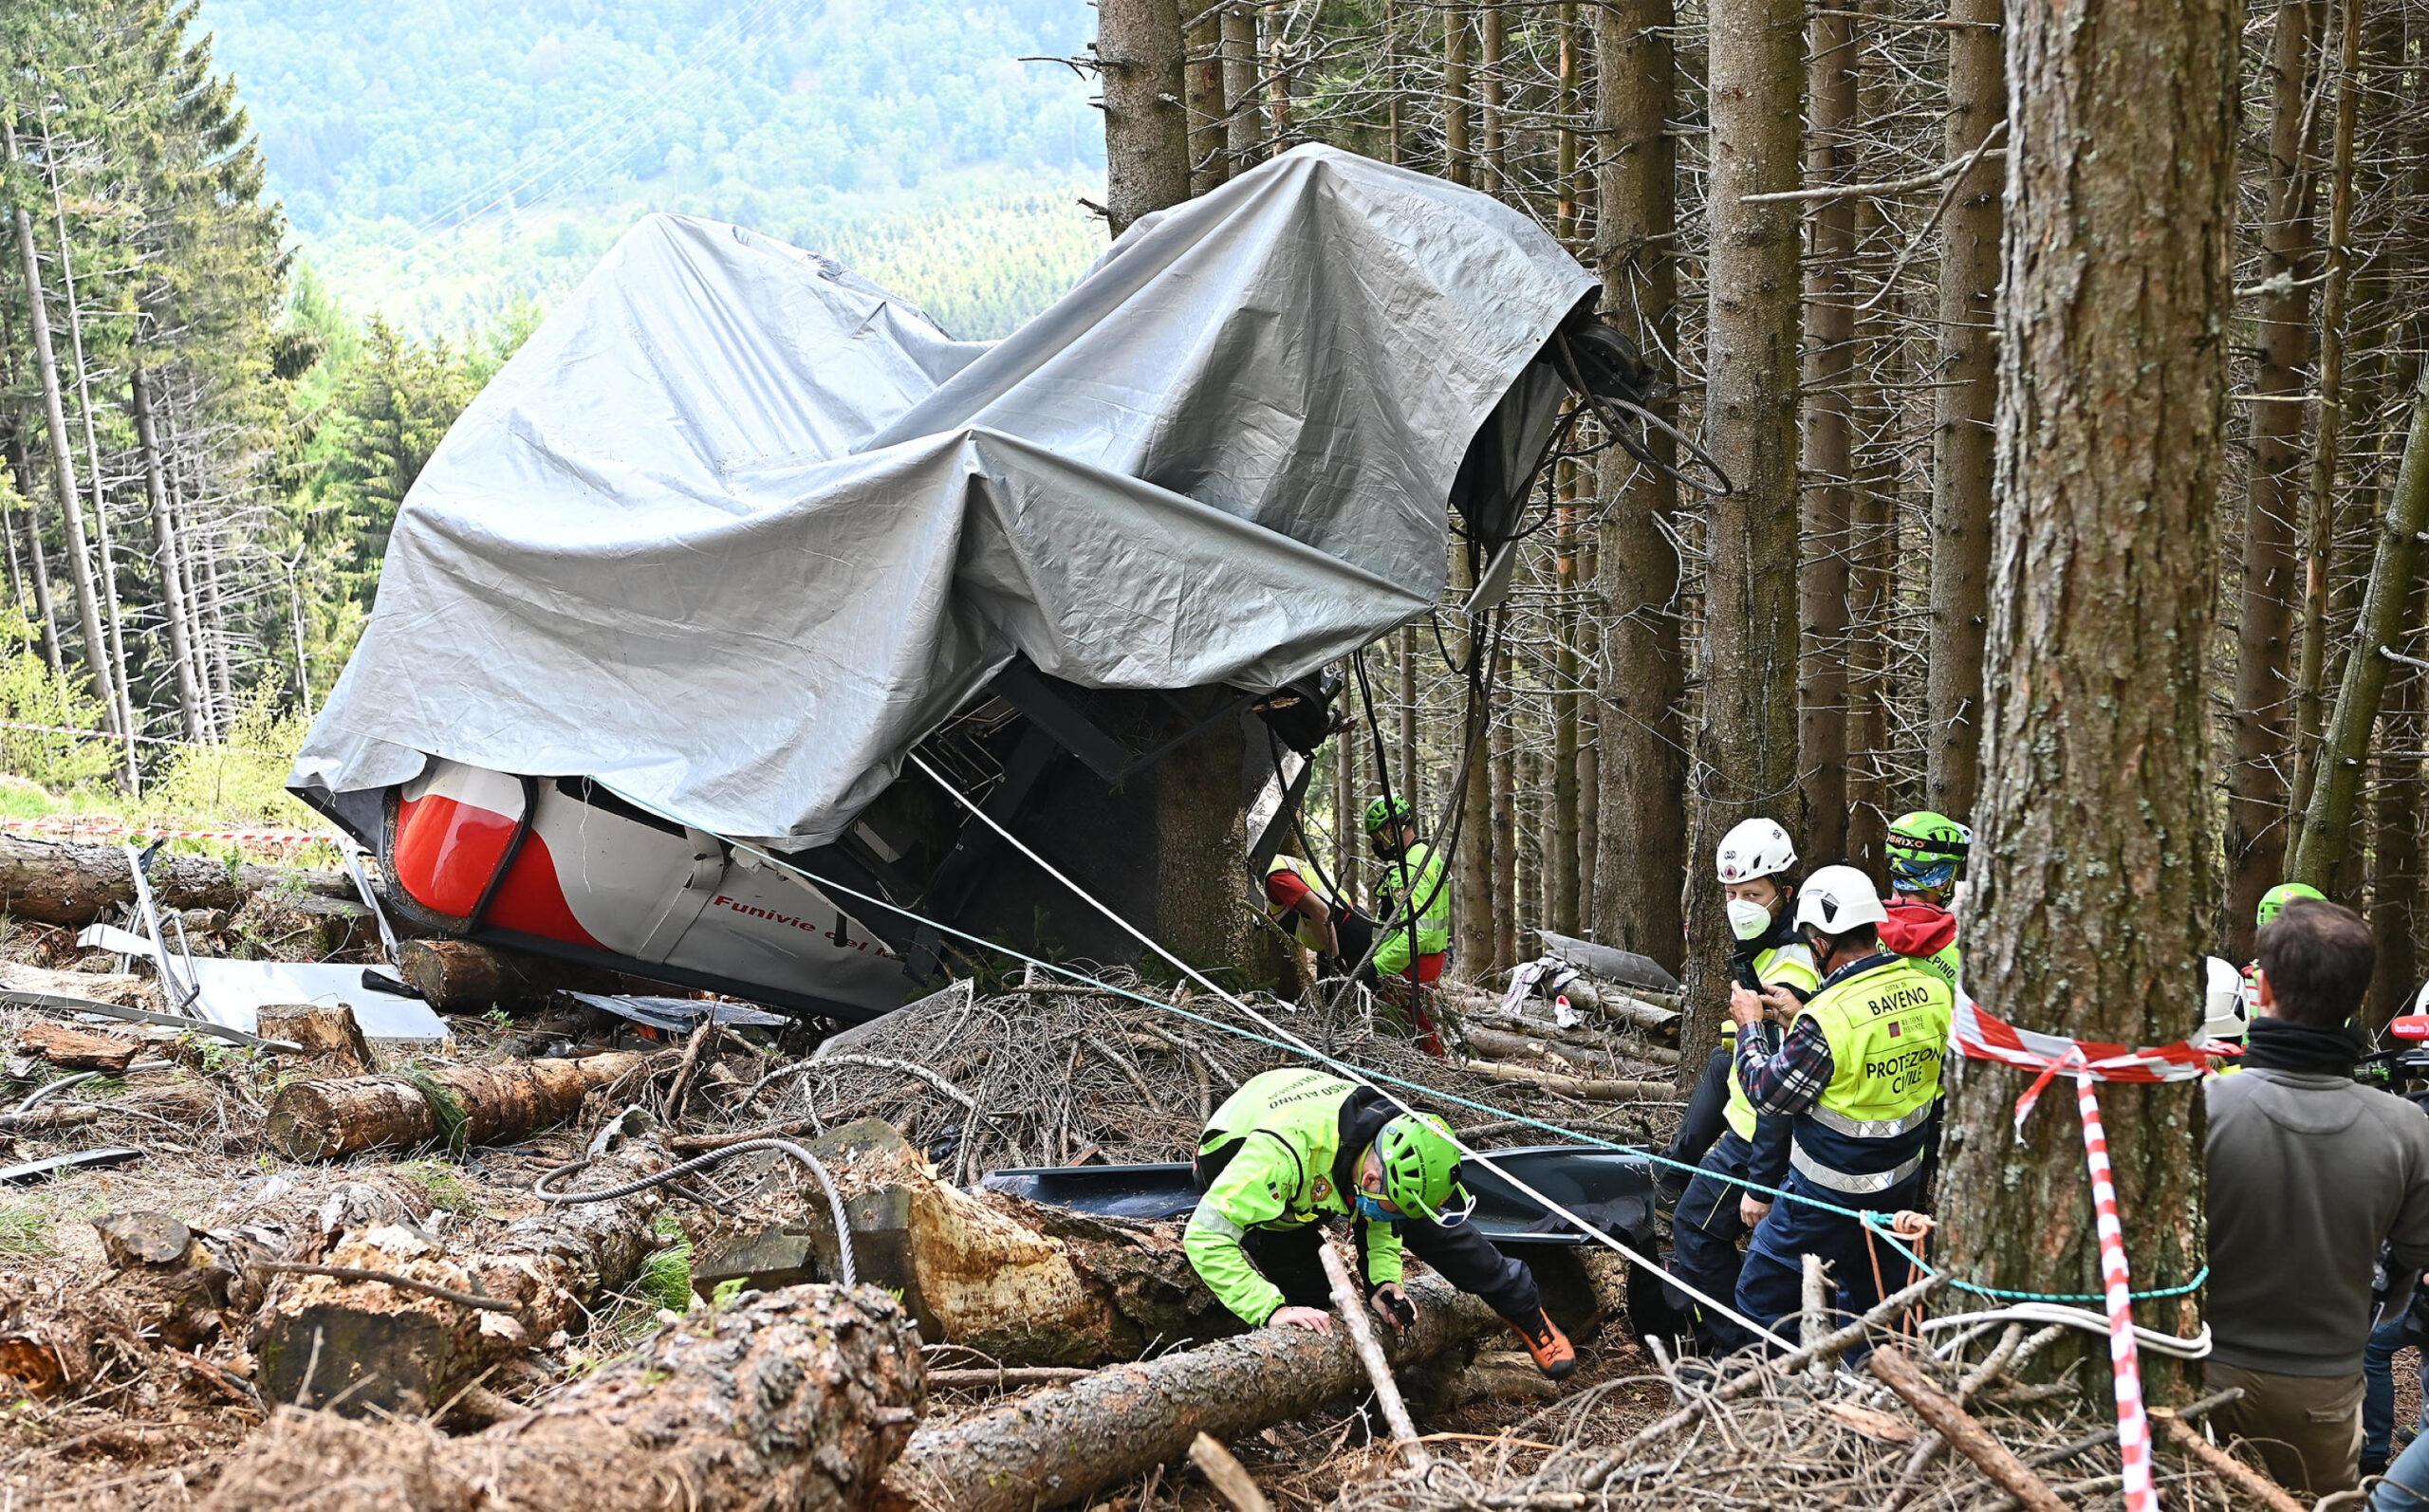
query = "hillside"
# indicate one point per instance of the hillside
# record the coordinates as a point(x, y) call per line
point(440, 160)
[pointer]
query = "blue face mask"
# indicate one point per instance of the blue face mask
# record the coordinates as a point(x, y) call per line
point(1373, 1210)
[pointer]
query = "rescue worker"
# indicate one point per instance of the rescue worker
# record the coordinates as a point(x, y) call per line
point(1926, 852)
point(2225, 1018)
point(1858, 1074)
point(1415, 915)
point(1756, 863)
point(2271, 903)
point(1294, 1147)
point(1337, 935)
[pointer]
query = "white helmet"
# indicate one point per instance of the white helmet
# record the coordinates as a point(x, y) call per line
point(1836, 899)
point(2223, 1015)
point(1757, 847)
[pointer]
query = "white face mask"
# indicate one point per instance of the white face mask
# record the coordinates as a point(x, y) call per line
point(1748, 919)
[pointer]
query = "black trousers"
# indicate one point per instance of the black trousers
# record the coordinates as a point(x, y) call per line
point(1459, 1253)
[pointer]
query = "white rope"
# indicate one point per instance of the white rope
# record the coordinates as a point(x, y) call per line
point(2196, 1347)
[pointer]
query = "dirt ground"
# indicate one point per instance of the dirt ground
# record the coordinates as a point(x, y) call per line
point(135, 1422)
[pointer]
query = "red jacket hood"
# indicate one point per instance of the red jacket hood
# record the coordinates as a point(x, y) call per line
point(1916, 927)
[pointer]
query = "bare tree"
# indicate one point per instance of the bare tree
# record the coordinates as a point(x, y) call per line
point(1746, 755)
point(2257, 818)
point(1965, 390)
point(1641, 674)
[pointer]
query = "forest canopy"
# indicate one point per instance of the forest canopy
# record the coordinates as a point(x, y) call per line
point(438, 161)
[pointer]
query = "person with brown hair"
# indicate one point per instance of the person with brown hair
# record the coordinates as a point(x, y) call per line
point(2311, 1173)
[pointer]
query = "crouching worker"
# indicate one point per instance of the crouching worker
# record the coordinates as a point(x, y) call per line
point(1292, 1148)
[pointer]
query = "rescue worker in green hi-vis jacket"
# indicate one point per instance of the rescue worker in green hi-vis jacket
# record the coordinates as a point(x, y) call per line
point(1296, 1147)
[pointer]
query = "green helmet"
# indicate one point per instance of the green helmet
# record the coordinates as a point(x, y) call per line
point(1925, 850)
point(1420, 1165)
point(2283, 893)
point(1384, 811)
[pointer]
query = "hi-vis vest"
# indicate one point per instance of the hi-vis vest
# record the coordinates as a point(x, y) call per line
point(1789, 966)
point(1418, 883)
point(1303, 929)
point(1886, 1022)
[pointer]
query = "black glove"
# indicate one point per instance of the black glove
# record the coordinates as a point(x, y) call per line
point(1395, 1305)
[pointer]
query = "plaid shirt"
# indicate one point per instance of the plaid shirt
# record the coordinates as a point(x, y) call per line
point(1783, 1079)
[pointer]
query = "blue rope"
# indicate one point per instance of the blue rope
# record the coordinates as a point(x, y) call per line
point(1872, 1221)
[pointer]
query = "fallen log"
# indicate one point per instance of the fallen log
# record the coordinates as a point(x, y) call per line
point(1594, 1053)
point(1963, 1430)
point(457, 976)
point(79, 1049)
point(76, 885)
point(1020, 1283)
point(124, 988)
point(1584, 1089)
point(321, 1031)
point(326, 1118)
point(1064, 1444)
point(796, 1399)
point(373, 1346)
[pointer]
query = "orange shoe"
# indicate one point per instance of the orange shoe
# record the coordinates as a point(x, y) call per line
point(1552, 1352)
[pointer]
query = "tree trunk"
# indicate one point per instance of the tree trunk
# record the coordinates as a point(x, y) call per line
point(798, 1399)
point(62, 456)
point(1240, 121)
point(1065, 1443)
point(2257, 815)
point(1509, 904)
point(2097, 763)
point(2395, 850)
point(1493, 33)
point(113, 622)
point(1875, 413)
point(2330, 435)
point(1640, 677)
point(2328, 828)
point(1277, 75)
point(1745, 757)
point(1963, 400)
point(1563, 828)
point(360, 1346)
point(1146, 130)
point(1474, 902)
point(1830, 157)
point(173, 594)
point(38, 559)
point(1203, 77)
point(1457, 165)
point(75, 885)
point(466, 1105)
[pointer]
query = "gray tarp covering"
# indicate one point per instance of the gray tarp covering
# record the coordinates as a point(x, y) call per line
point(735, 528)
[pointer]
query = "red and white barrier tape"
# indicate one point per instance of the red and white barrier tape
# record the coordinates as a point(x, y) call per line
point(1984, 1036)
point(112, 828)
point(2133, 1424)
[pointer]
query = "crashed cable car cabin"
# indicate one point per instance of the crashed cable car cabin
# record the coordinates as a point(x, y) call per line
point(713, 608)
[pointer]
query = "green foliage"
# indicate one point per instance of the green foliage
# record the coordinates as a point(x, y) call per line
point(443, 1184)
point(25, 1232)
point(666, 1277)
point(30, 694)
point(444, 163)
point(242, 781)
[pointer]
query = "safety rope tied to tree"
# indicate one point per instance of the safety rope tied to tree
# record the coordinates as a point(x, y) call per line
point(1984, 1036)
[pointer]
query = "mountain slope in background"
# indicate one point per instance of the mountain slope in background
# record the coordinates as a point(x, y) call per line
point(444, 160)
